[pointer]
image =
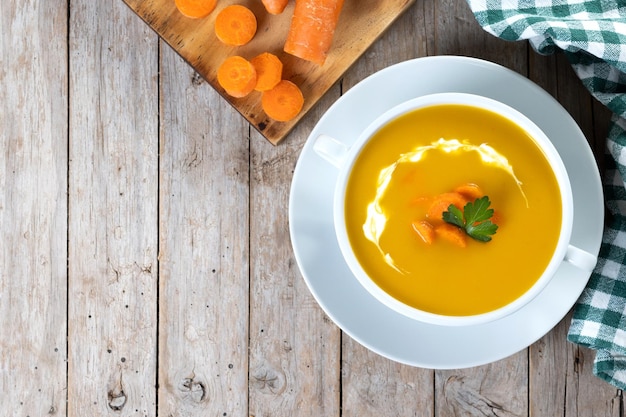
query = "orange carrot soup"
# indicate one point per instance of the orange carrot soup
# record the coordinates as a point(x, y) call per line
point(400, 221)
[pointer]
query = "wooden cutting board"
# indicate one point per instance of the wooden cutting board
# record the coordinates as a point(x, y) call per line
point(360, 24)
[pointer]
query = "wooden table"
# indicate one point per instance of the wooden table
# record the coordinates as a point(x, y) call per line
point(146, 267)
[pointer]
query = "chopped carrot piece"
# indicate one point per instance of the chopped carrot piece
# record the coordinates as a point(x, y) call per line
point(424, 230)
point(283, 102)
point(275, 6)
point(269, 71)
point(195, 9)
point(442, 202)
point(470, 191)
point(496, 218)
point(452, 234)
point(237, 76)
point(312, 29)
point(235, 25)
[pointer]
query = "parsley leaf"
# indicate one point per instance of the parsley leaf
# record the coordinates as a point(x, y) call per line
point(474, 219)
point(454, 216)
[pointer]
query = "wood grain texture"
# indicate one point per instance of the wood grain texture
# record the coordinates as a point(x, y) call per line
point(294, 347)
point(499, 388)
point(555, 364)
point(585, 396)
point(375, 386)
point(204, 248)
point(360, 24)
point(112, 213)
point(33, 208)
point(146, 267)
point(371, 384)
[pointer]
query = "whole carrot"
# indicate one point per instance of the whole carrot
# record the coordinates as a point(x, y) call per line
point(312, 29)
point(275, 6)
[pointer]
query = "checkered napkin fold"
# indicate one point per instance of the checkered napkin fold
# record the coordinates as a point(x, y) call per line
point(592, 34)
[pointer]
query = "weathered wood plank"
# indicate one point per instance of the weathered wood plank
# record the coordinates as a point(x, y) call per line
point(204, 248)
point(376, 386)
point(500, 388)
point(294, 347)
point(371, 384)
point(548, 369)
point(33, 207)
point(113, 212)
point(497, 389)
point(586, 394)
point(547, 357)
point(560, 374)
point(457, 32)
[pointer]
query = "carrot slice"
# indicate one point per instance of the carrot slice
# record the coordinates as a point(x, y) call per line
point(275, 6)
point(237, 76)
point(283, 102)
point(470, 191)
point(452, 234)
point(424, 230)
point(312, 29)
point(196, 9)
point(442, 202)
point(269, 71)
point(235, 25)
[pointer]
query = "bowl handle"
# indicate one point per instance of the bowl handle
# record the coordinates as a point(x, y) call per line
point(331, 150)
point(580, 259)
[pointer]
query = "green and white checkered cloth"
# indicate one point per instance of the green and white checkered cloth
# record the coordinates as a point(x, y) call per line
point(592, 34)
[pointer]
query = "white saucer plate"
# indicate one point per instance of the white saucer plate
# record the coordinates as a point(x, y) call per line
point(349, 305)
